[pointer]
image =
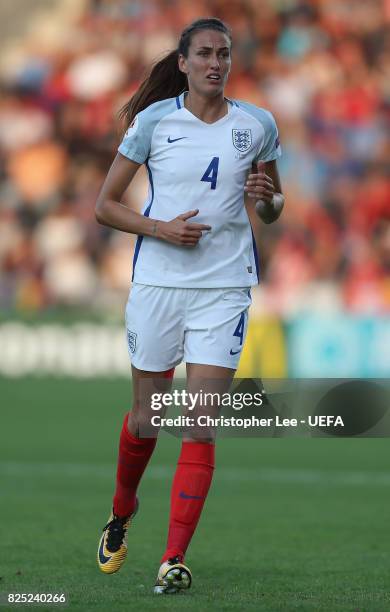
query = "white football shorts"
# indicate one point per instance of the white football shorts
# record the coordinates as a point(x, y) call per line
point(167, 325)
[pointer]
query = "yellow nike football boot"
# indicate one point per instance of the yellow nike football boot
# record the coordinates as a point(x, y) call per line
point(112, 549)
point(173, 576)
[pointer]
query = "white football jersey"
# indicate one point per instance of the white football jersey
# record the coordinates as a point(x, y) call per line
point(192, 164)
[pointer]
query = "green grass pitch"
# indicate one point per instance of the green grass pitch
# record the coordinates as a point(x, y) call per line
point(290, 524)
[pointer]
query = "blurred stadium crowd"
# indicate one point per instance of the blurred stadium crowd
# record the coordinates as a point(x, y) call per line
point(321, 66)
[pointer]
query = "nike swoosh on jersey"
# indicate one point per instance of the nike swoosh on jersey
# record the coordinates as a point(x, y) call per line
point(102, 556)
point(169, 139)
point(234, 352)
point(185, 496)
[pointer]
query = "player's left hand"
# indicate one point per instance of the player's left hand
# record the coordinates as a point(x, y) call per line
point(260, 186)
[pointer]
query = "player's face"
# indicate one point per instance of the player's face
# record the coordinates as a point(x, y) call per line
point(208, 63)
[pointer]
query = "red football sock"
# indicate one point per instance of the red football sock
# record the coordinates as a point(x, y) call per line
point(133, 457)
point(169, 373)
point(189, 491)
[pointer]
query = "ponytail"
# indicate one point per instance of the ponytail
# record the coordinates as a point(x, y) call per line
point(165, 79)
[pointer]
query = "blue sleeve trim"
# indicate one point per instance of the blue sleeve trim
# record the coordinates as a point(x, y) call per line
point(146, 214)
point(255, 256)
point(178, 102)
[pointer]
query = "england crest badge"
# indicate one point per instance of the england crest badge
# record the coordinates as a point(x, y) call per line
point(131, 340)
point(242, 140)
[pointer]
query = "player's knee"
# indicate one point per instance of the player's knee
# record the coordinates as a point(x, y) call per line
point(139, 424)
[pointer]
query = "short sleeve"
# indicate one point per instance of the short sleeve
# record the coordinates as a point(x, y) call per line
point(136, 142)
point(270, 148)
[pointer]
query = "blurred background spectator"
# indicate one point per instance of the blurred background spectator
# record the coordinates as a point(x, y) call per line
point(321, 66)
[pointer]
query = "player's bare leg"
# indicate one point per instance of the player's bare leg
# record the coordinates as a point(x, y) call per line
point(192, 479)
point(135, 450)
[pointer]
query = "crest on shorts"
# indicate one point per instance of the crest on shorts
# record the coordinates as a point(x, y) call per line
point(242, 139)
point(131, 340)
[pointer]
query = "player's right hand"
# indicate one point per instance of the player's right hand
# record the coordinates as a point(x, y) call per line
point(179, 231)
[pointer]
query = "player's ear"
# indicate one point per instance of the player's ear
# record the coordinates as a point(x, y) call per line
point(183, 64)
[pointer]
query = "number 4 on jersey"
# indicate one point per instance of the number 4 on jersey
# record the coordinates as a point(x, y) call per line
point(211, 174)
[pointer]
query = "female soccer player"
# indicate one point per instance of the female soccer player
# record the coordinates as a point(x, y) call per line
point(194, 262)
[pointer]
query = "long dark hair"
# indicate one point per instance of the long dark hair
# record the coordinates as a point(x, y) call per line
point(165, 80)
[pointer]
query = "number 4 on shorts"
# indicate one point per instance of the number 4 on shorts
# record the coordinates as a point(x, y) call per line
point(239, 331)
